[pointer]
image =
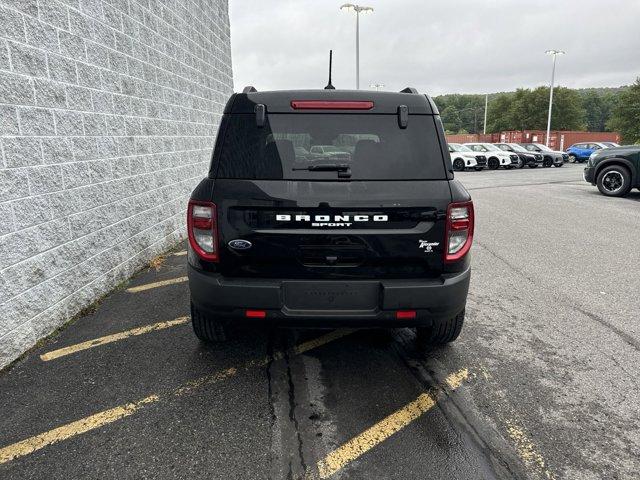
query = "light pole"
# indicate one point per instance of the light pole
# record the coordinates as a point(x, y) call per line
point(357, 9)
point(486, 103)
point(555, 53)
point(377, 86)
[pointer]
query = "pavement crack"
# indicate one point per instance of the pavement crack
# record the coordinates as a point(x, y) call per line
point(292, 413)
point(270, 392)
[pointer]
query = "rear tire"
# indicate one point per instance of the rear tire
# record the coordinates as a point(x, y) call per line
point(548, 162)
point(206, 327)
point(572, 158)
point(558, 165)
point(445, 332)
point(493, 163)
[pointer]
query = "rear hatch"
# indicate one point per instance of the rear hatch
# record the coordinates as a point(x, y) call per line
point(371, 205)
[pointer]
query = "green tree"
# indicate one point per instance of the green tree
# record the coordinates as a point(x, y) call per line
point(598, 107)
point(527, 110)
point(450, 119)
point(568, 111)
point(498, 113)
point(626, 114)
point(530, 108)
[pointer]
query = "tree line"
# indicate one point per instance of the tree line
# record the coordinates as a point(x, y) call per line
point(589, 109)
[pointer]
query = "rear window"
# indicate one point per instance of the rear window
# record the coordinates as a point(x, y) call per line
point(373, 147)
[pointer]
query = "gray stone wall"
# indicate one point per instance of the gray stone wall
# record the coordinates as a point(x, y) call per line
point(108, 113)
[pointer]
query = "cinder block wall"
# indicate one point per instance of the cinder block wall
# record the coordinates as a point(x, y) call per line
point(108, 113)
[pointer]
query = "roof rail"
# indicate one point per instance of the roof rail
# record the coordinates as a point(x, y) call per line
point(249, 89)
point(409, 90)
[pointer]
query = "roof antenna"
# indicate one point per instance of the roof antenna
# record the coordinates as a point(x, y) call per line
point(329, 86)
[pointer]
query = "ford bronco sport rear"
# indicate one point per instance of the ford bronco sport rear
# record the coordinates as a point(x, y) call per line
point(373, 232)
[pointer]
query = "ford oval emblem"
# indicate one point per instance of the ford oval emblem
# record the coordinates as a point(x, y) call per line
point(240, 244)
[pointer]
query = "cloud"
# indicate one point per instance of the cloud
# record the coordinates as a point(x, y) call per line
point(455, 46)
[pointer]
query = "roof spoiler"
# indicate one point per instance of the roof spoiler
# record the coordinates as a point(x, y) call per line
point(249, 89)
point(409, 90)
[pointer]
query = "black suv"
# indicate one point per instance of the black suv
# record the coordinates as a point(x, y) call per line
point(378, 235)
point(615, 171)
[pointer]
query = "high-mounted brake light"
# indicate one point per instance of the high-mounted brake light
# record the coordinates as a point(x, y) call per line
point(331, 105)
point(459, 230)
point(202, 226)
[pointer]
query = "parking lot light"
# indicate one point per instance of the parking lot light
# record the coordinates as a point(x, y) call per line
point(357, 9)
point(555, 53)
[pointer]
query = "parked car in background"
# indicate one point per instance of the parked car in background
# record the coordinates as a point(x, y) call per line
point(580, 152)
point(551, 157)
point(532, 160)
point(329, 151)
point(496, 158)
point(301, 152)
point(463, 157)
point(615, 170)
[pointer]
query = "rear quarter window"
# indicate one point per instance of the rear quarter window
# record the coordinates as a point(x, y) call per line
point(373, 146)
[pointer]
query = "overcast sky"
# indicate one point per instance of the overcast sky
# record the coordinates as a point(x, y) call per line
point(437, 46)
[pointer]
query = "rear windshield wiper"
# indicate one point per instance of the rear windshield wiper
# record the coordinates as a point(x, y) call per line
point(325, 167)
point(342, 169)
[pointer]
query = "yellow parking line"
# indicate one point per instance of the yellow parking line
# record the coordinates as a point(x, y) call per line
point(61, 352)
point(99, 419)
point(382, 430)
point(527, 450)
point(163, 283)
point(64, 432)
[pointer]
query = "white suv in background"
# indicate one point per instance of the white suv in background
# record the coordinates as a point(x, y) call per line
point(463, 157)
point(496, 158)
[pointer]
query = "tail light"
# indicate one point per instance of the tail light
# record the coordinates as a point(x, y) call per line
point(459, 231)
point(202, 224)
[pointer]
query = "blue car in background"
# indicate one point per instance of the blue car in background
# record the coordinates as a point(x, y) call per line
point(580, 152)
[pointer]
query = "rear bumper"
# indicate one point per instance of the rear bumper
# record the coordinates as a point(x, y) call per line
point(434, 300)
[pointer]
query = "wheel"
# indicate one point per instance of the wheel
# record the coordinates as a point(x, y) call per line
point(558, 165)
point(477, 169)
point(572, 158)
point(614, 181)
point(441, 334)
point(548, 161)
point(508, 167)
point(520, 163)
point(458, 164)
point(207, 328)
point(493, 163)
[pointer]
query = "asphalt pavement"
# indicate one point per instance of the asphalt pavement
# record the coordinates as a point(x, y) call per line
point(542, 383)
